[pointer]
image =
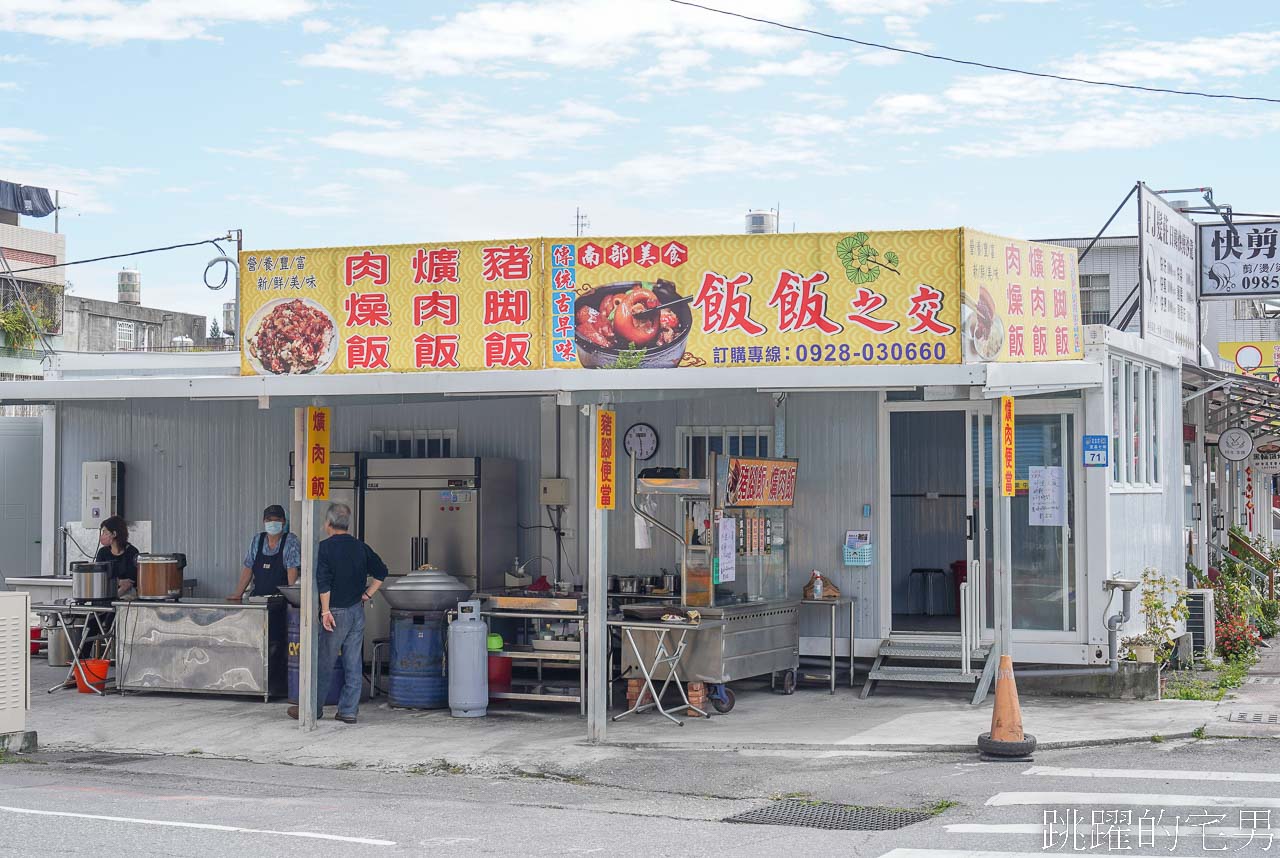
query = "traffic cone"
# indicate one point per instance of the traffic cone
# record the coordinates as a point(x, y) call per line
point(1006, 741)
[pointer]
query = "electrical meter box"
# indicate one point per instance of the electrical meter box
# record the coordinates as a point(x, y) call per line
point(553, 492)
point(101, 492)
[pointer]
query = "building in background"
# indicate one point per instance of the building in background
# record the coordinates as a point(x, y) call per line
point(43, 289)
point(762, 221)
point(92, 325)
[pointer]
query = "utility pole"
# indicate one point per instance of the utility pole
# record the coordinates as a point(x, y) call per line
point(581, 223)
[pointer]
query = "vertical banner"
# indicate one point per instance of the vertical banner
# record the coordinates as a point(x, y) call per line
point(1167, 268)
point(1008, 456)
point(606, 461)
point(317, 455)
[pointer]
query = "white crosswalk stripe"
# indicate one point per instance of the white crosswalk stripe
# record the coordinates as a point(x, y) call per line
point(1128, 799)
point(986, 853)
point(1154, 774)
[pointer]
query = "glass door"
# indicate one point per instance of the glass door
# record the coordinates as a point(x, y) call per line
point(1043, 516)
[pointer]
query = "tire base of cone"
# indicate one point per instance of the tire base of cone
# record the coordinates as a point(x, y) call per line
point(1006, 740)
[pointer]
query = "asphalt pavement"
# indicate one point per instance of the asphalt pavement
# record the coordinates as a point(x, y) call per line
point(1162, 798)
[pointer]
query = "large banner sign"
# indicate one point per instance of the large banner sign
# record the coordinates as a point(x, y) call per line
point(835, 299)
point(1166, 268)
point(1239, 261)
point(399, 308)
point(1021, 300)
point(745, 301)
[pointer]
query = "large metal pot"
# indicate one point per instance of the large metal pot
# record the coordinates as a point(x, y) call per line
point(292, 594)
point(159, 577)
point(424, 590)
point(91, 582)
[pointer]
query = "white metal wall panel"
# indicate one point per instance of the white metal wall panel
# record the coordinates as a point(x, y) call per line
point(15, 697)
point(834, 437)
point(202, 472)
point(20, 493)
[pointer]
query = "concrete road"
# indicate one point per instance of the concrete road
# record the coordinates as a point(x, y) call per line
point(1215, 796)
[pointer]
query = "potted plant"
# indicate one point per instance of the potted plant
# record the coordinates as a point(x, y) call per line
point(1160, 615)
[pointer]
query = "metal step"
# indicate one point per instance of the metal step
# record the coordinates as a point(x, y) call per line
point(922, 674)
point(943, 651)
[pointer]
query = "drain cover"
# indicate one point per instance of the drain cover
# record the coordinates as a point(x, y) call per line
point(1256, 717)
point(838, 817)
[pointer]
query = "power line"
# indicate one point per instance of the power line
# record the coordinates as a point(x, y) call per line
point(212, 241)
point(974, 63)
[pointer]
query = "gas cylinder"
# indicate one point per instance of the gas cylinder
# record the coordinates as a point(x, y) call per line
point(468, 663)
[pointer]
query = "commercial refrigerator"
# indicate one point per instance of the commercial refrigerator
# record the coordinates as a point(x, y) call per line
point(456, 514)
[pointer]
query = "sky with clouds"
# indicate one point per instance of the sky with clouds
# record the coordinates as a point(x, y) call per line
point(308, 123)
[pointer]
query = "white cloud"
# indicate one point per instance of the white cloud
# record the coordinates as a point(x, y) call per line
point(386, 175)
point(9, 85)
point(293, 81)
point(461, 129)
point(82, 191)
point(112, 21)
point(498, 37)
point(363, 121)
point(809, 65)
point(316, 25)
point(989, 17)
point(14, 58)
point(13, 139)
point(175, 190)
point(1236, 56)
point(293, 210)
point(259, 153)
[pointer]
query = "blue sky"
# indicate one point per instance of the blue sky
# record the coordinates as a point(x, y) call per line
point(306, 122)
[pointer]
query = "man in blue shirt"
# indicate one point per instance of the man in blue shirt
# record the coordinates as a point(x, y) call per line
point(344, 567)
point(273, 558)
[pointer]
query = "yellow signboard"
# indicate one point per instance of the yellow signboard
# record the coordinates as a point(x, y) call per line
point(834, 299)
point(400, 308)
point(1021, 300)
point(606, 459)
point(1254, 357)
point(316, 480)
point(1008, 453)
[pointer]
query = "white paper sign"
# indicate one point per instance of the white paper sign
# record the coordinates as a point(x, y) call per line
point(1167, 269)
point(1047, 496)
point(728, 549)
point(1266, 463)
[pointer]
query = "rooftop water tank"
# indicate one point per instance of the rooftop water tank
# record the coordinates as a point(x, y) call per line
point(129, 286)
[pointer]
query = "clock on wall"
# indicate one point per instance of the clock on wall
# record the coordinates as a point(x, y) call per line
point(641, 440)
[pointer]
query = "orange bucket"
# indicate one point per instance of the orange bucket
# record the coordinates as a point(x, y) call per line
point(91, 675)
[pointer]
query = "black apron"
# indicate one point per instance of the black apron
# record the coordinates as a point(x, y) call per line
point(268, 569)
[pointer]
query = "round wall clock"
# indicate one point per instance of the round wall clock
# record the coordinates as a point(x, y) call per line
point(641, 440)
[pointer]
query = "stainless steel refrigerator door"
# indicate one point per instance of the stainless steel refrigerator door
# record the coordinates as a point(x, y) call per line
point(391, 525)
point(450, 525)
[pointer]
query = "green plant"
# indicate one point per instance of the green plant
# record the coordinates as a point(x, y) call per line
point(942, 804)
point(1159, 614)
point(18, 331)
point(1199, 732)
point(1158, 739)
point(1268, 618)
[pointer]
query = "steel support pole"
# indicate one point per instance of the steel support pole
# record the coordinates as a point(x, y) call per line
point(597, 587)
point(309, 612)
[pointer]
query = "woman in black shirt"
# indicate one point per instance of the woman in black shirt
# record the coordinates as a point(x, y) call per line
point(113, 536)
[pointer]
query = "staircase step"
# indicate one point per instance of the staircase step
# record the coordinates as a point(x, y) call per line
point(922, 674)
point(927, 651)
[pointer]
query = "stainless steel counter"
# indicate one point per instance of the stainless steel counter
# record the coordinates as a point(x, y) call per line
point(750, 639)
point(201, 647)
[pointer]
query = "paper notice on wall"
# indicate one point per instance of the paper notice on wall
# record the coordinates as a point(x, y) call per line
point(727, 551)
point(1046, 493)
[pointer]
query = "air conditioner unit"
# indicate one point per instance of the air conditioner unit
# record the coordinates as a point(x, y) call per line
point(1200, 622)
point(101, 492)
point(15, 680)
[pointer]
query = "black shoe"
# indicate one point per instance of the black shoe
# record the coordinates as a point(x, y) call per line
point(292, 711)
point(345, 719)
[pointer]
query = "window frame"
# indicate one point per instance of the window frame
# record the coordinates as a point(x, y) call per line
point(123, 325)
point(1134, 426)
point(685, 436)
point(413, 440)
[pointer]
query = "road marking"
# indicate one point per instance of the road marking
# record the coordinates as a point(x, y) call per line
point(363, 841)
point(1113, 799)
point(1039, 828)
point(1155, 774)
point(978, 853)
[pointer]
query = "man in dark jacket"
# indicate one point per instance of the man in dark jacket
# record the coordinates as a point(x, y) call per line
point(344, 566)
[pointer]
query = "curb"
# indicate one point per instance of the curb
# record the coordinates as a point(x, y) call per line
point(919, 749)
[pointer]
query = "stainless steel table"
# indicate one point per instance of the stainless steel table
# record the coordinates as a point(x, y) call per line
point(93, 615)
point(540, 689)
point(834, 605)
point(663, 656)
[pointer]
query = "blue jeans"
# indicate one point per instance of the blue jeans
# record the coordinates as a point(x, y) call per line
point(347, 636)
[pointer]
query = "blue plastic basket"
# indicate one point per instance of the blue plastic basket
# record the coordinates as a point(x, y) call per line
point(857, 556)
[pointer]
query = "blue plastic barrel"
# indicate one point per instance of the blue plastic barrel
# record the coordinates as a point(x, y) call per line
point(295, 653)
point(416, 678)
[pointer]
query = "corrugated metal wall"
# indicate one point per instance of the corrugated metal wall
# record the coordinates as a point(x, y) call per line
point(202, 472)
point(833, 436)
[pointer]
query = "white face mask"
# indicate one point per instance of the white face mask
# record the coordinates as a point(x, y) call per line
point(273, 528)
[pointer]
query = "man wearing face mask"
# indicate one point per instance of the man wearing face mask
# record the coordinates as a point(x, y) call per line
point(274, 557)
